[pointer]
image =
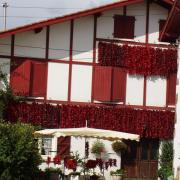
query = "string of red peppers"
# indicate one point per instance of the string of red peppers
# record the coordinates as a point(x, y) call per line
point(142, 60)
point(146, 123)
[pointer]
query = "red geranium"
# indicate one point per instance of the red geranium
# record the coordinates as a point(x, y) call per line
point(57, 160)
point(91, 164)
point(71, 164)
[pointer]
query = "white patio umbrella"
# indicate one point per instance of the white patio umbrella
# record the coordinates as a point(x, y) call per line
point(88, 132)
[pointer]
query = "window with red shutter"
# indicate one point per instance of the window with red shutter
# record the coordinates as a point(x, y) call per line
point(20, 76)
point(161, 25)
point(119, 85)
point(171, 89)
point(102, 83)
point(63, 146)
point(124, 26)
point(38, 79)
point(28, 78)
point(109, 84)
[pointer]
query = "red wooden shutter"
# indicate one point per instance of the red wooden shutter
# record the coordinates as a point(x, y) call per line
point(38, 79)
point(119, 84)
point(171, 95)
point(161, 25)
point(20, 76)
point(124, 26)
point(63, 146)
point(102, 83)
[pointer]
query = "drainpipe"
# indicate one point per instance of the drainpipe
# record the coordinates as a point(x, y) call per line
point(176, 161)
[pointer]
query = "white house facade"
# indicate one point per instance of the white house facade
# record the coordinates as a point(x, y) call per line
point(105, 66)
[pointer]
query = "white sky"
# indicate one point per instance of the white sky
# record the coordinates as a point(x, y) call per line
point(22, 12)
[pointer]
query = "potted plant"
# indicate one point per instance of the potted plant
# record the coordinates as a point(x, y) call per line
point(94, 177)
point(98, 147)
point(117, 174)
point(74, 175)
point(119, 147)
point(52, 173)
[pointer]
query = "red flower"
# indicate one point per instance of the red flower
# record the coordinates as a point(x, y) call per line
point(48, 161)
point(57, 160)
point(91, 164)
point(71, 164)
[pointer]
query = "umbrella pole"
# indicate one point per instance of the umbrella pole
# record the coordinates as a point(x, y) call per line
point(85, 155)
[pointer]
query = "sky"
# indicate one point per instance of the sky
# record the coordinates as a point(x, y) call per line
point(21, 12)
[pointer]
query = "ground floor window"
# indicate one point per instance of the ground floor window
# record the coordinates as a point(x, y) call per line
point(46, 146)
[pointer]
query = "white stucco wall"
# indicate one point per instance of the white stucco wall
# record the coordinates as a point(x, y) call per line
point(176, 162)
point(5, 45)
point(156, 13)
point(83, 39)
point(105, 23)
point(57, 84)
point(134, 90)
point(139, 11)
point(30, 44)
point(59, 41)
point(81, 83)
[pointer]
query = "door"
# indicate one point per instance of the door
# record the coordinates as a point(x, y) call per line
point(141, 160)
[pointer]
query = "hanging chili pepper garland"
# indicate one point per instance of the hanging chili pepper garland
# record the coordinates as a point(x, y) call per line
point(146, 123)
point(139, 59)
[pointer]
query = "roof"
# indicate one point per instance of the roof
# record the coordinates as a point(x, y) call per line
point(171, 30)
point(60, 19)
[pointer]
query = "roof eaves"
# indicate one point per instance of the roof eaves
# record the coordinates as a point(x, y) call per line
point(169, 21)
point(68, 17)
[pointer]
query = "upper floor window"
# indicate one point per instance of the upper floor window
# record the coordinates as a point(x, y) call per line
point(109, 84)
point(124, 26)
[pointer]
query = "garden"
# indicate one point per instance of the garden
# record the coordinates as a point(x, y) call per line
point(89, 167)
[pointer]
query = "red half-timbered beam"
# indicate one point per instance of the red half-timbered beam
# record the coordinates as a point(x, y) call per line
point(147, 20)
point(124, 10)
point(47, 56)
point(173, 16)
point(94, 56)
point(12, 45)
point(144, 91)
point(171, 108)
point(70, 59)
point(134, 43)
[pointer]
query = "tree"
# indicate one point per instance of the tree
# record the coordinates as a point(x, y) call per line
point(6, 93)
point(19, 154)
point(166, 160)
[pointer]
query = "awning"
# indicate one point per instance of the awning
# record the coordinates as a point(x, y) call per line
point(88, 132)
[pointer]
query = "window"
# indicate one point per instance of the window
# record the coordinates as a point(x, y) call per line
point(109, 84)
point(46, 146)
point(156, 91)
point(124, 26)
point(63, 146)
point(28, 78)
